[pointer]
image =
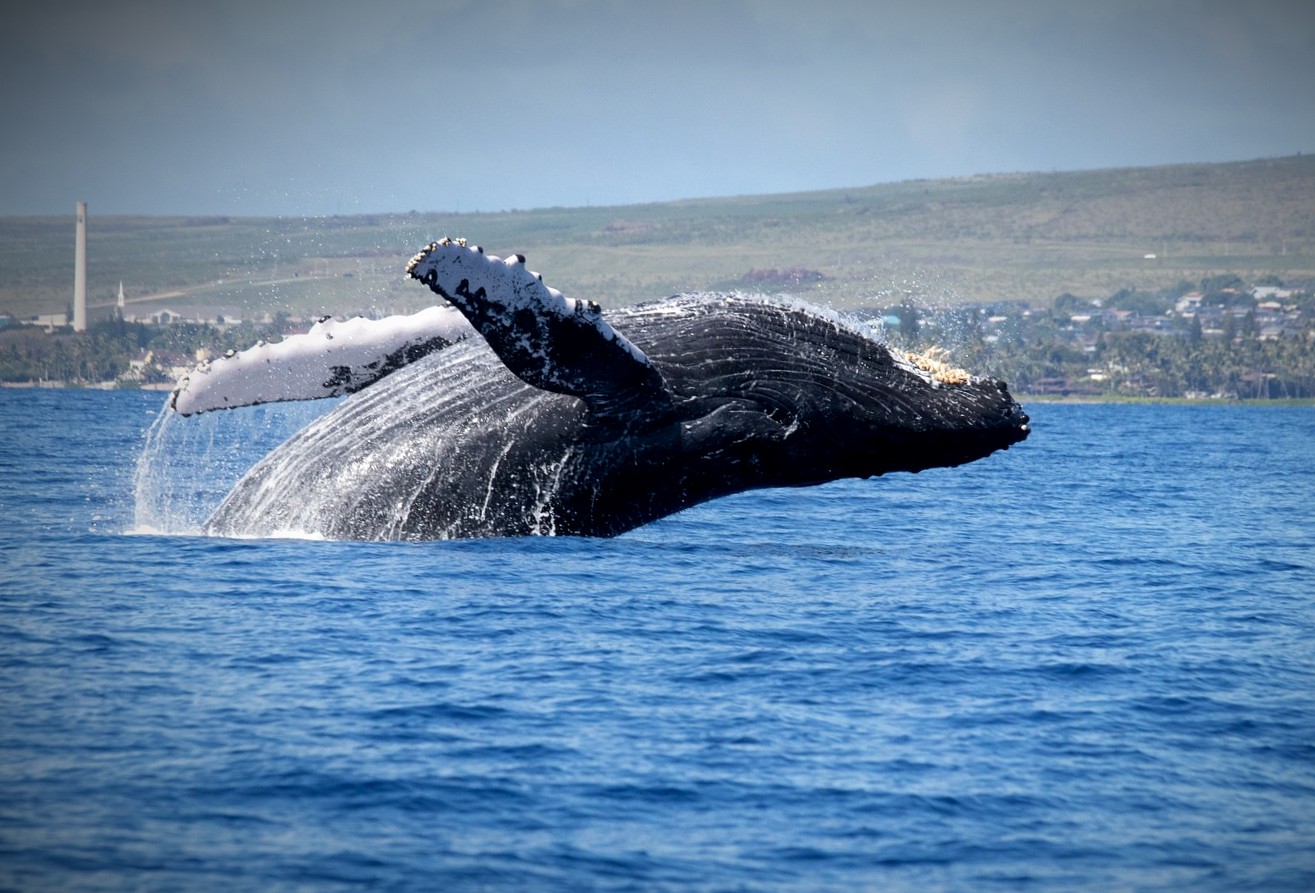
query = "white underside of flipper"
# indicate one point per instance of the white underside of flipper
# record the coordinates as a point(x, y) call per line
point(333, 358)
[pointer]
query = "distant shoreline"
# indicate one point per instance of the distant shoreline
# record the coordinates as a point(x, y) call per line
point(1085, 399)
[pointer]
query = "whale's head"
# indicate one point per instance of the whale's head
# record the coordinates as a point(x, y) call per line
point(869, 409)
point(797, 396)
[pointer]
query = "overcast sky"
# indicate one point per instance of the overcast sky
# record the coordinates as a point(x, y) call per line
point(332, 107)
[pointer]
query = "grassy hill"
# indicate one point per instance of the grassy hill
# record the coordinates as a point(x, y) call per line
point(982, 238)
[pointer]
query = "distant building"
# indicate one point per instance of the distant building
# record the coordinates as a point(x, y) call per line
point(161, 317)
point(1270, 292)
point(211, 316)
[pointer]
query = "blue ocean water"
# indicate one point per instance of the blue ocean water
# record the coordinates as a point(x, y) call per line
point(1084, 664)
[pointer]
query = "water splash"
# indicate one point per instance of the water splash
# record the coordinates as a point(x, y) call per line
point(188, 464)
point(918, 309)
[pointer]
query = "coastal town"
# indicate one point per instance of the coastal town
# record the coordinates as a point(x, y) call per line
point(1223, 339)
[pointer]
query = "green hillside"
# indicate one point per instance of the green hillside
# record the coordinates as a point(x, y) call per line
point(982, 238)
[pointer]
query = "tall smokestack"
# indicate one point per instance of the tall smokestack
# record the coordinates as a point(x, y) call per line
point(80, 272)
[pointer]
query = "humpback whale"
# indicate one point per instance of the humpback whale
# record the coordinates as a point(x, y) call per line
point(514, 410)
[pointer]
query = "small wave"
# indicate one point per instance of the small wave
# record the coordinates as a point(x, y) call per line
point(144, 529)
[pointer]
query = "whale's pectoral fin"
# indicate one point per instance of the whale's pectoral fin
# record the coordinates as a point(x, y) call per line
point(333, 358)
point(548, 340)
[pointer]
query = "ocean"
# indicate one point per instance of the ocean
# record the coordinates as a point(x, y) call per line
point(1086, 663)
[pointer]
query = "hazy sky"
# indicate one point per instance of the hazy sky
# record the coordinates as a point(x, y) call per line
point(310, 108)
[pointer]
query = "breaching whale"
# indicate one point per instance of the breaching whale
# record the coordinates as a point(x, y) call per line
point(552, 421)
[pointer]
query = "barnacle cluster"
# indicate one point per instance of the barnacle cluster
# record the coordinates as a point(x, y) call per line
point(935, 362)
